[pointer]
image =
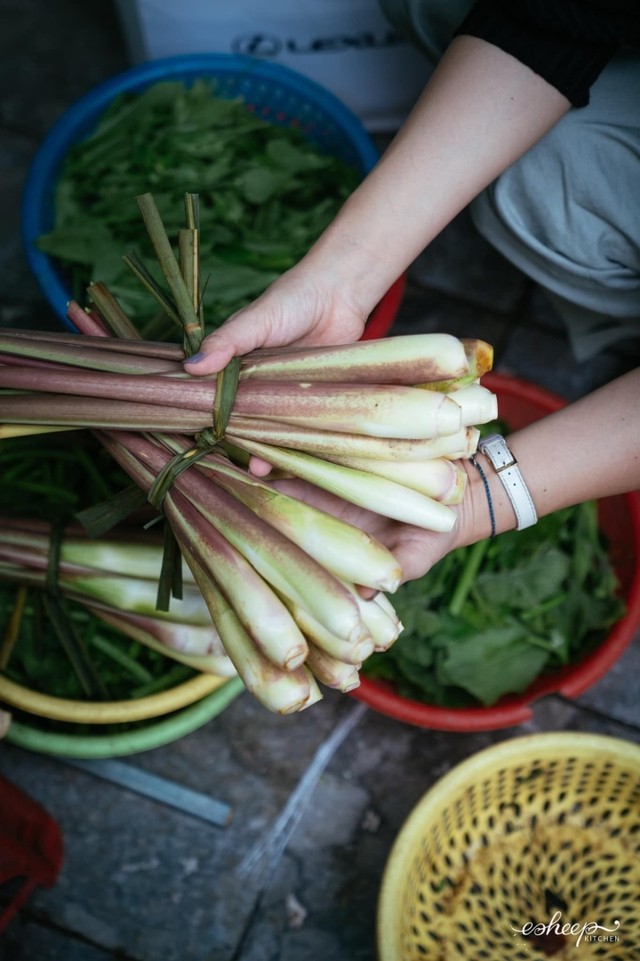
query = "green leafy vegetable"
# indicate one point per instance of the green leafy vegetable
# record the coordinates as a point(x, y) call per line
point(489, 619)
point(265, 193)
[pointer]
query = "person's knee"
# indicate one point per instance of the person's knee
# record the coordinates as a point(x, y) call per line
point(562, 213)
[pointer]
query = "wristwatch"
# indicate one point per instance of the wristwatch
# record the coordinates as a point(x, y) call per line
point(494, 448)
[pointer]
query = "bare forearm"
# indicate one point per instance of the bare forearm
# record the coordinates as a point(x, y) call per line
point(481, 110)
point(587, 450)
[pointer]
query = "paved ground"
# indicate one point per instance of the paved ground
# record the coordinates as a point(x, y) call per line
point(317, 799)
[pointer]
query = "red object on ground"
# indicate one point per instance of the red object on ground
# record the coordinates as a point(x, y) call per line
point(30, 849)
point(521, 403)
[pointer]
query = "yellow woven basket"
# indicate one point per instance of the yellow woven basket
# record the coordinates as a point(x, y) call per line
point(527, 850)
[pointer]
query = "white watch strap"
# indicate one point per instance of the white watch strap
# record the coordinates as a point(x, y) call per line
point(494, 448)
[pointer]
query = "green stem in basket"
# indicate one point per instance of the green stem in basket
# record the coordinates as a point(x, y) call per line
point(475, 556)
point(73, 646)
point(13, 628)
point(121, 658)
point(171, 271)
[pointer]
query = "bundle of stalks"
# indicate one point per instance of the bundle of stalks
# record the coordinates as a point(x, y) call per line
point(379, 423)
point(116, 578)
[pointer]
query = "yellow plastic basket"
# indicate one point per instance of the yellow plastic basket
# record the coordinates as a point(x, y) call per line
point(527, 850)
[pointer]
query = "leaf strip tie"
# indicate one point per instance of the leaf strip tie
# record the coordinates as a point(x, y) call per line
point(170, 581)
point(166, 477)
point(225, 397)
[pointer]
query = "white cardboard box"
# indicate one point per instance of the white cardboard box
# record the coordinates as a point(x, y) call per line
point(347, 46)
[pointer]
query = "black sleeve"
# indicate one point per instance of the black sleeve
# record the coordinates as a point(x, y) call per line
point(568, 43)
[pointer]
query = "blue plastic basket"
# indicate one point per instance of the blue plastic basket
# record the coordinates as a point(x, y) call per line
point(274, 92)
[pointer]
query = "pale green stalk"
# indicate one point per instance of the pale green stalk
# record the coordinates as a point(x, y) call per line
point(261, 612)
point(383, 624)
point(439, 478)
point(388, 607)
point(207, 664)
point(372, 409)
point(8, 431)
point(282, 692)
point(129, 558)
point(332, 672)
point(376, 494)
point(135, 596)
point(340, 547)
point(347, 651)
point(315, 694)
point(194, 640)
point(478, 404)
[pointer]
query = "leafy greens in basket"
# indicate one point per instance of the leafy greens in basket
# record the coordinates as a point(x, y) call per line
point(265, 193)
point(487, 620)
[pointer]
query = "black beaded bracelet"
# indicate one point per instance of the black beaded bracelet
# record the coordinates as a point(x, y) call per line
point(488, 493)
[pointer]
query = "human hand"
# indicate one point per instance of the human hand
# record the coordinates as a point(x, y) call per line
point(415, 548)
point(301, 307)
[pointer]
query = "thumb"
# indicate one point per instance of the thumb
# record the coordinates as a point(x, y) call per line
point(236, 336)
point(210, 359)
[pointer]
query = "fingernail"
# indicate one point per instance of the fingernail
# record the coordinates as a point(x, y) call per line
point(194, 358)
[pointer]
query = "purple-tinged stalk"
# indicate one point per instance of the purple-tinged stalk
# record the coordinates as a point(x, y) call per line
point(148, 389)
point(91, 353)
point(404, 360)
point(340, 547)
point(288, 569)
point(95, 413)
point(87, 322)
point(171, 354)
point(373, 493)
point(461, 443)
point(261, 612)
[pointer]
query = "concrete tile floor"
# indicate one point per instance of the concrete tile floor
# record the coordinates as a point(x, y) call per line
point(317, 799)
